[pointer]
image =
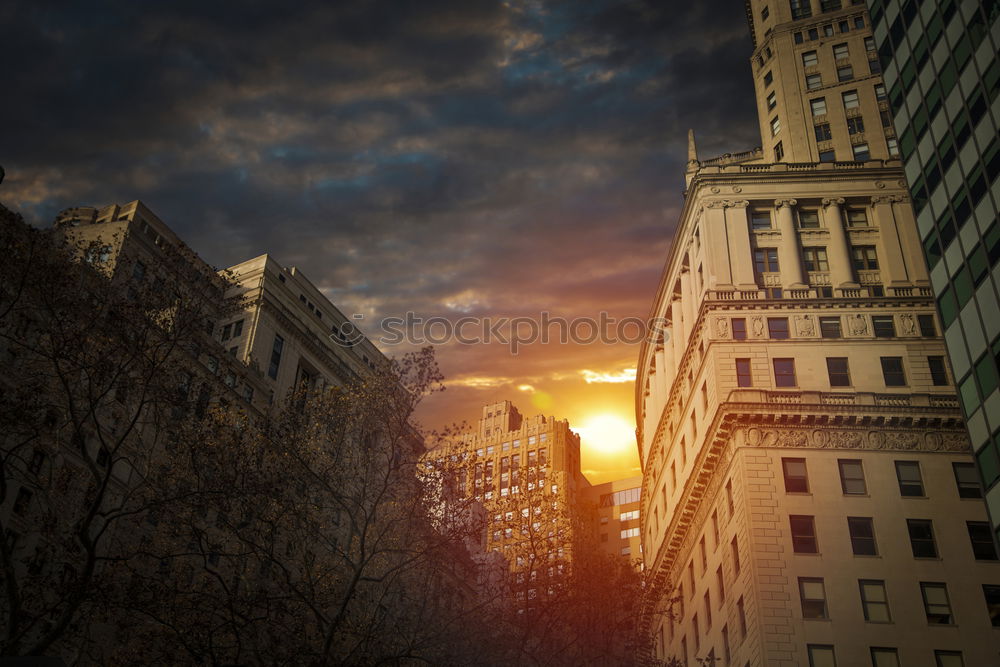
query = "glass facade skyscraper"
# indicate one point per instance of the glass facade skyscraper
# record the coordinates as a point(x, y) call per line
point(943, 78)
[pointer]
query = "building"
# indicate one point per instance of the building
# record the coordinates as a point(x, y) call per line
point(809, 495)
point(943, 75)
point(525, 471)
point(616, 508)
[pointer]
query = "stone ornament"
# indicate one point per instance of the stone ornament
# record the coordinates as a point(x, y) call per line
point(908, 325)
point(834, 201)
point(722, 327)
point(857, 325)
point(778, 203)
point(894, 440)
point(804, 325)
point(757, 324)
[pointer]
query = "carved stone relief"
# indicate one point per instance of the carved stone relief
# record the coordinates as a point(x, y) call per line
point(722, 327)
point(804, 325)
point(857, 324)
point(908, 324)
point(896, 440)
point(757, 324)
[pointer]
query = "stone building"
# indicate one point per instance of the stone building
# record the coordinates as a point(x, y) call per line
point(616, 511)
point(942, 70)
point(809, 495)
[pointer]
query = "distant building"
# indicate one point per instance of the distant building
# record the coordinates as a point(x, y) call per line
point(943, 75)
point(617, 510)
point(809, 495)
point(526, 474)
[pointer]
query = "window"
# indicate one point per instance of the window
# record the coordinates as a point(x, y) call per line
point(936, 604)
point(967, 480)
point(927, 327)
point(884, 326)
point(861, 152)
point(850, 99)
point(818, 106)
point(760, 219)
point(814, 81)
point(911, 484)
point(739, 325)
point(874, 601)
point(801, 9)
point(829, 327)
point(237, 329)
point(764, 13)
point(814, 259)
point(886, 117)
point(827, 156)
point(777, 327)
point(845, 73)
point(921, 538)
point(837, 370)
point(768, 78)
point(862, 531)
point(992, 595)
point(893, 146)
point(784, 372)
point(892, 372)
point(982, 541)
point(803, 534)
point(796, 479)
point(857, 217)
point(765, 259)
point(949, 659)
point(276, 348)
point(840, 51)
point(852, 477)
point(720, 581)
point(855, 125)
point(779, 152)
point(874, 66)
point(775, 126)
point(809, 59)
point(742, 613)
point(821, 655)
point(735, 546)
point(708, 609)
point(823, 133)
point(743, 376)
point(809, 219)
point(884, 657)
point(939, 376)
point(226, 332)
point(864, 258)
point(772, 100)
point(813, 597)
point(629, 532)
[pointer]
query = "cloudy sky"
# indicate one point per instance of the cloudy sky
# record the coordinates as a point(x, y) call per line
point(447, 158)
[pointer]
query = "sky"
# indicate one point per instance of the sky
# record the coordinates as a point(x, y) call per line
point(449, 159)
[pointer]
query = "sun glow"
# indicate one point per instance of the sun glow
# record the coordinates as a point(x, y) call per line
point(607, 434)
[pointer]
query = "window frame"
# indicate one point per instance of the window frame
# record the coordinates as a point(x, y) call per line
point(893, 376)
point(817, 607)
point(786, 377)
point(915, 542)
point(849, 478)
point(860, 540)
point(867, 605)
point(744, 373)
point(795, 483)
point(805, 540)
point(949, 618)
point(909, 485)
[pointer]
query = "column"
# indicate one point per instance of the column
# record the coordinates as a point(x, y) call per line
point(740, 254)
point(892, 240)
point(789, 255)
point(677, 318)
point(687, 301)
point(716, 243)
point(664, 374)
point(838, 250)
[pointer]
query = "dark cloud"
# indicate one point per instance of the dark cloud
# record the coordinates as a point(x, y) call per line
point(441, 156)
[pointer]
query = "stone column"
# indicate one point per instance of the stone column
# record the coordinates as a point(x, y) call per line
point(892, 238)
point(789, 255)
point(677, 318)
point(838, 250)
point(687, 301)
point(740, 254)
point(716, 241)
point(664, 373)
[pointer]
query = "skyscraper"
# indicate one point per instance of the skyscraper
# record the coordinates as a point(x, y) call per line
point(943, 75)
point(809, 495)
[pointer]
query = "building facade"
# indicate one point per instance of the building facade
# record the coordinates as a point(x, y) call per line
point(809, 495)
point(943, 75)
point(616, 510)
point(525, 472)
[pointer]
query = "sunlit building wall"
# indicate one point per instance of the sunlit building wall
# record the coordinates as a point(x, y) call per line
point(616, 511)
point(809, 495)
point(942, 70)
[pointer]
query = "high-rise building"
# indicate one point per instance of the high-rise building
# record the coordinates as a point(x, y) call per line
point(616, 510)
point(943, 75)
point(525, 471)
point(809, 495)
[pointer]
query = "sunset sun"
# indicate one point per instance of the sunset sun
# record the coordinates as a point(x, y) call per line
point(607, 434)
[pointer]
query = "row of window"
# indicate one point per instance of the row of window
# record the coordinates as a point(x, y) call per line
point(807, 218)
point(875, 601)
point(489, 450)
point(883, 326)
point(908, 475)
point(863, 543)
point(814, 258)
point(824, 655)
point(845, 73)
point(801, 10)
point(838, 372)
